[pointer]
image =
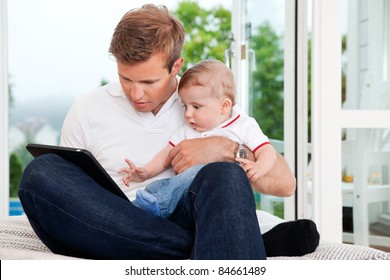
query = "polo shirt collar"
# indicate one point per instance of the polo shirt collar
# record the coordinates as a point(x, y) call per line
point(235, 116)
point(115, 89)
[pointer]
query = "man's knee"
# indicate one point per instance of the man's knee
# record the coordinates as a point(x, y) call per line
point(37, 171)
point(224, 170)
point(41, 163)
point(223, 176)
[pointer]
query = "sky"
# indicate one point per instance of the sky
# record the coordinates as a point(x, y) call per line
point(60, 48)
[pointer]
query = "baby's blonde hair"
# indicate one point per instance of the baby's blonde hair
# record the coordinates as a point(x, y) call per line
point(212, 74)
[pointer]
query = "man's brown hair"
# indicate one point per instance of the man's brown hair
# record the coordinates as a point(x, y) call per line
point(146, 31)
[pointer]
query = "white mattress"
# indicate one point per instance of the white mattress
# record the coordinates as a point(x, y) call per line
point(19, 242)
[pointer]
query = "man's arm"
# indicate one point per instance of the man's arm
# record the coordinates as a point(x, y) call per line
point(278, 181)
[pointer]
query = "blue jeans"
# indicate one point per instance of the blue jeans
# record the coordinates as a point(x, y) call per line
point(166, 194)
point(75, 216)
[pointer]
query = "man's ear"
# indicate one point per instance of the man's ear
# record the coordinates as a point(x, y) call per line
point(177, 66)
point(226, 105)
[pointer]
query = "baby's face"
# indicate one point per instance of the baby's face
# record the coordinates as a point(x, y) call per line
point(203, 111)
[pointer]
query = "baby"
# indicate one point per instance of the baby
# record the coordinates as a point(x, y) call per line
point(207, 91)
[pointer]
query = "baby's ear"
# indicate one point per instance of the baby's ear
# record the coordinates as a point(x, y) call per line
point(226, 106)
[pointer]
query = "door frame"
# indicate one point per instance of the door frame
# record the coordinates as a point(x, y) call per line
point(326, 97)
point(4, 159)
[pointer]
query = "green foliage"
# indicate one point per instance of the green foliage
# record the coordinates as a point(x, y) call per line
point(19, 158)
point(207, 32)
point(344, 70)
point(24, 156)
point(266, 85)
point(16, 169)
point(104, 82)
point(11, 101)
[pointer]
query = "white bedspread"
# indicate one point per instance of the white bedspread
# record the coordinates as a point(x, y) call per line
point(19, 242)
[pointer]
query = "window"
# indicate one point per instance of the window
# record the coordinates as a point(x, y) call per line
point(366, 141)
point(57, 50)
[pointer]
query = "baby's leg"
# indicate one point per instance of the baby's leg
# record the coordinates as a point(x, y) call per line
point(167, 194)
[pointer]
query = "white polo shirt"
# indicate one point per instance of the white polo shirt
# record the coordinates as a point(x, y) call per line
point(107, 125)
point(239, 127)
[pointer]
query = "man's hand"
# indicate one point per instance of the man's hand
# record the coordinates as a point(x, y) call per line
point(278, 181)
point(200, 151)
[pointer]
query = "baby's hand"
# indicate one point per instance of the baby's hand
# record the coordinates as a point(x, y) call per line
point(252, 169)
point(127, 176)
point(133, 173)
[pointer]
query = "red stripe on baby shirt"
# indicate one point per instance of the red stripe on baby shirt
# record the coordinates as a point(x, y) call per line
point(258, 147)
point(236, 118)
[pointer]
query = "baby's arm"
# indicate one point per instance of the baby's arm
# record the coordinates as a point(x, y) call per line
point(157, 164)
point(151, 169)
point(265, 160)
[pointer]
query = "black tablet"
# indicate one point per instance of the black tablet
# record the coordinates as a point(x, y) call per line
point(84, 159)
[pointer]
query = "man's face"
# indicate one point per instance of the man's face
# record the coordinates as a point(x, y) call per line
point(148, 85)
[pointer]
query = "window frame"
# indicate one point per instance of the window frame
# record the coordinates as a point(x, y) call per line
point(4, 101)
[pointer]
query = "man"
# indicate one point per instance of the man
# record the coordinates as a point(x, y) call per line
point(74, 216)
